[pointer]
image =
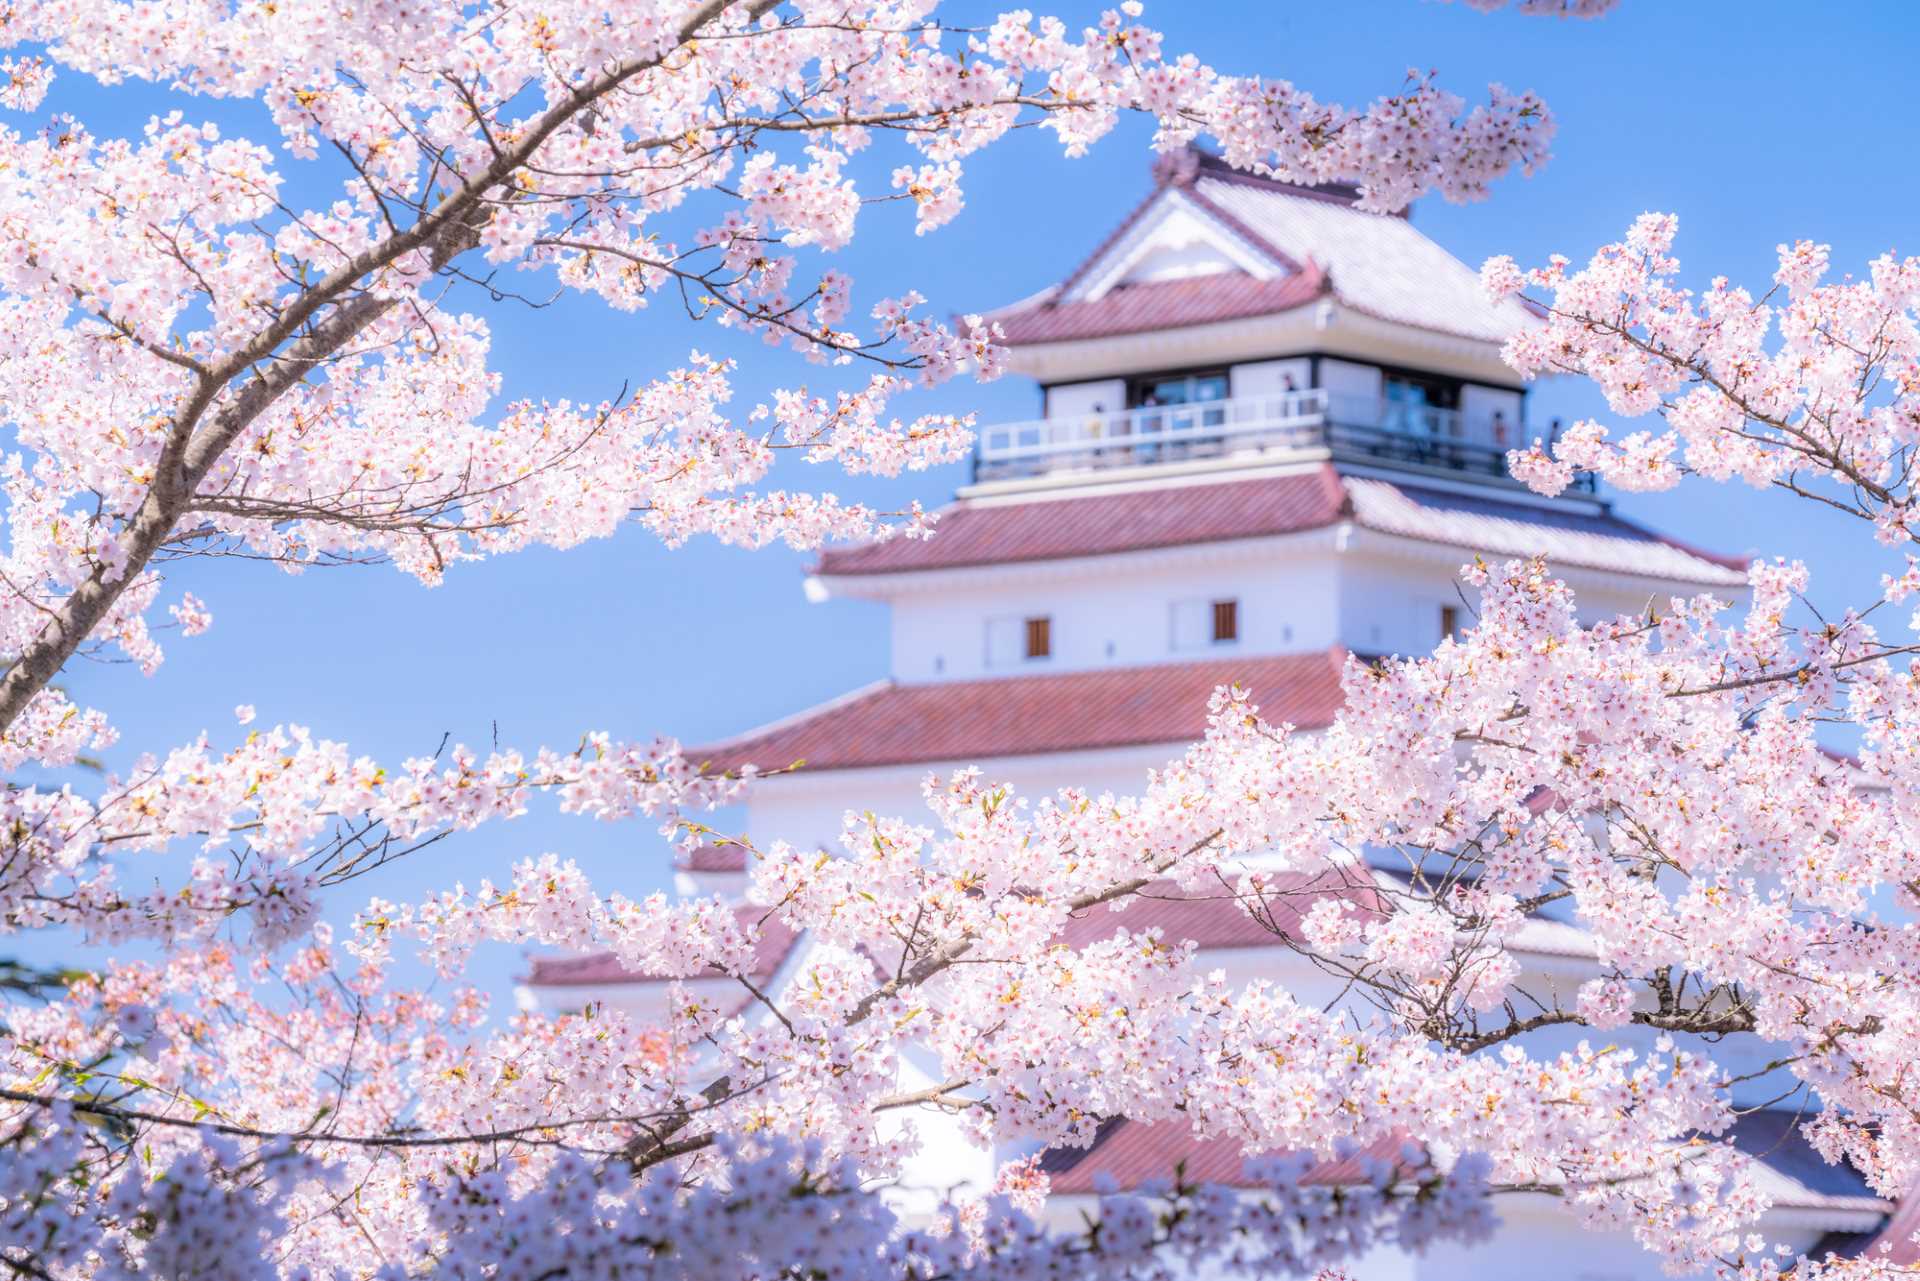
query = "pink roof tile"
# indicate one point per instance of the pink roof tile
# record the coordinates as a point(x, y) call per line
point(776, 941)
point(1217, 920)
point(1132, 1153)
point(1162, 304)
point(1487, 524)
point(713, 858)
point(894, 724)
point(1378, 264)
point(1897, 1236)
point(975, 533)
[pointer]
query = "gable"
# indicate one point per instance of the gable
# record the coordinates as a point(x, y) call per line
point(1173, 238)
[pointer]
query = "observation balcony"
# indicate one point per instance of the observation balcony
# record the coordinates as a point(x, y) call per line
point(1351, 428)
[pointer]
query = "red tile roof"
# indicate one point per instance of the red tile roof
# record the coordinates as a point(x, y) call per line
point(1217, 920)
point(1375, 263)
point(713, 858)
point(1897, 1235)
point(776, 940)
point(1132, 1153)
point(1593, 537)
point(1146, 306)
point(975, 533)
point(893, 724)
point(1214, 921)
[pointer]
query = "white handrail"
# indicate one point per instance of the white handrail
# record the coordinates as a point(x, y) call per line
point(1368, 426)
point(1153, 424)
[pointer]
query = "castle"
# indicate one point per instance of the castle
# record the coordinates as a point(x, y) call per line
point(1274, 428)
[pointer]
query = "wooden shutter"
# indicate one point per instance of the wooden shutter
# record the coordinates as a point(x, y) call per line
point(1226, 620)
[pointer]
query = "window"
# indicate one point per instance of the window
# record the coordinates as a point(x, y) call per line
point(1181, 389)
point(1449, 621)
point(1226, 620)
point(1012, 641)
point(1420, 406)
point(1200, 623)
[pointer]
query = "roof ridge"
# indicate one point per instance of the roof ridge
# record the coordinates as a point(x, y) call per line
point(1194, 162)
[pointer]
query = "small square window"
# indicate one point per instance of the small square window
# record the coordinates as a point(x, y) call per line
point(1198, 624)
point(1039, 637)
point(1449, 621)
point(1226, 620)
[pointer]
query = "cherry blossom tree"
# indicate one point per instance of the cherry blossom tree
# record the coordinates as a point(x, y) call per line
point(196, 362)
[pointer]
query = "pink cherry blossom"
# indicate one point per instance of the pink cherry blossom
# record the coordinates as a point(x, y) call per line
point(224, 345)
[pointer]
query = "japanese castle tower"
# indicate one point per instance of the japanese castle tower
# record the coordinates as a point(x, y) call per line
point(1275, 427)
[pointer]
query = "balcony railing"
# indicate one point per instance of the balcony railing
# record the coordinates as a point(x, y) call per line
point(1354, 427)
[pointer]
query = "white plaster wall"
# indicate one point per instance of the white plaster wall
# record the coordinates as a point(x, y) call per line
point(1380, 596)
point(1477, 406)
point(1177, 261)
point(1391, 605)
point(807, 809)
point(1386, 608)
point(1269, 377)
point(1353, 390)
point(1107, 620)
point(1069, 400)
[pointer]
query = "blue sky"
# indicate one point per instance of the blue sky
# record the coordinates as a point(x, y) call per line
point(1755, 122)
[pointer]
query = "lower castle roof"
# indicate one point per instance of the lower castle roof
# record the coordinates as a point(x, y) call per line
point(775, 942)
point(1102, 521)
point(1132, 1153)
point(894, 724)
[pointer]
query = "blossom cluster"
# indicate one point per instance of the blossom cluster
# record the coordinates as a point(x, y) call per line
point(1811, 386)
point(1036, 1041)
point(192, 360)
point(198, 361)
point(281, 815)
point(776, 1202)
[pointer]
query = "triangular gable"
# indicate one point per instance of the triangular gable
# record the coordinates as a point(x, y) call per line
point(1173, 237)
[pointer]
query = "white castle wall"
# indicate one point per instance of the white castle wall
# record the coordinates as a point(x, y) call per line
point(1070, 400)
point(1369, 593)
point(807, 809)
point(1107, 619)
point(1267, 377)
